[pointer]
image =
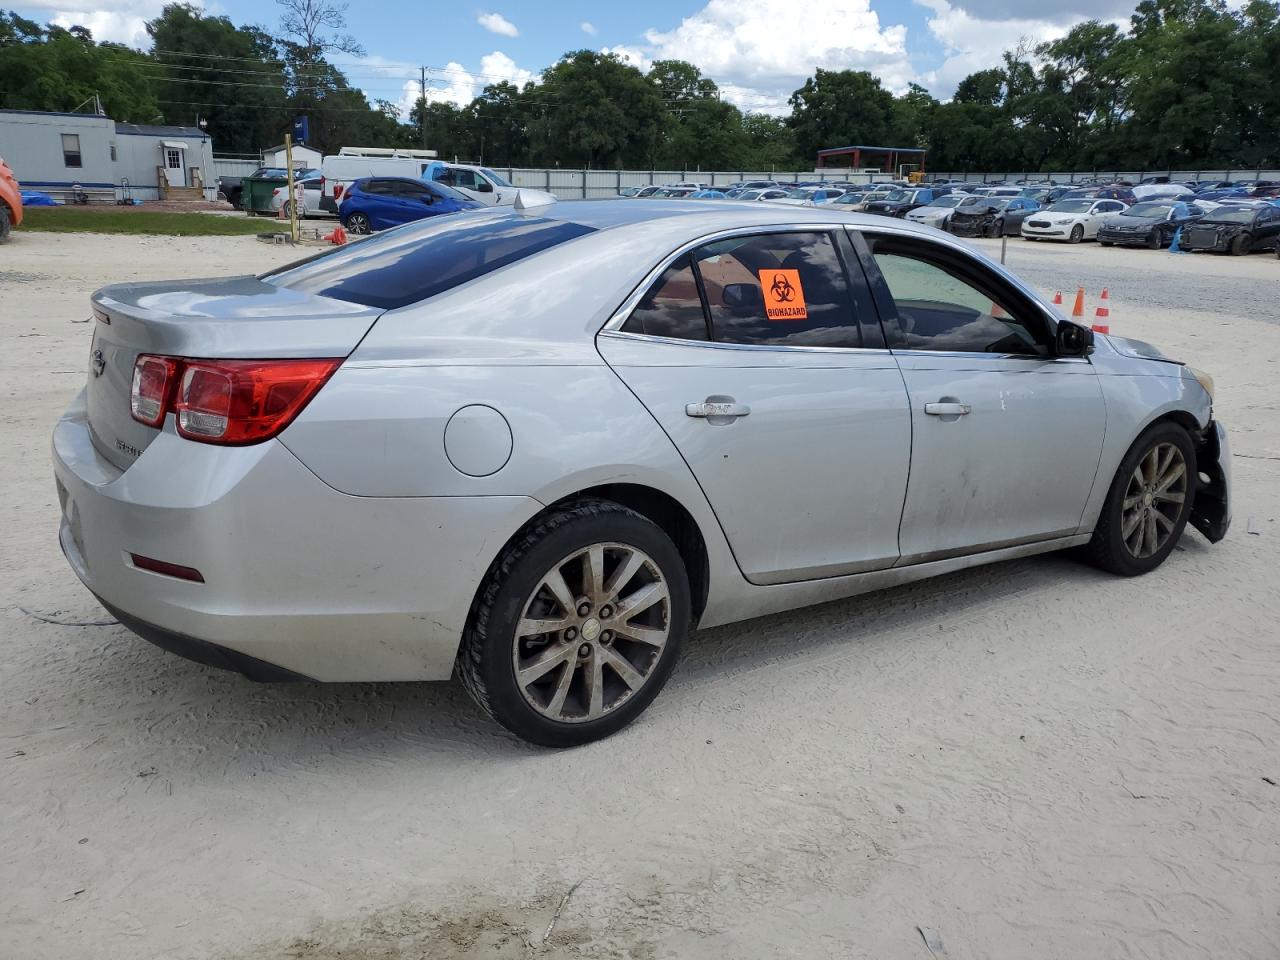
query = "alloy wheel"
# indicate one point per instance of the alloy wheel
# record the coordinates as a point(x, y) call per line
point(1153, 501)
point(358, 223)
point(591, 632)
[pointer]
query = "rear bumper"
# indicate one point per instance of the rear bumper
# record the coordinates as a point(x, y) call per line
point(299, 579)
point(1211, 514)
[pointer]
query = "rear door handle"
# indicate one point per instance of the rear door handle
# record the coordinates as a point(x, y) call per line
point(714, 409)
point(947, 409)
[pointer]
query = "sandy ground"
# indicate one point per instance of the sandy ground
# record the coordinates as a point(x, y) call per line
point(1032, 759)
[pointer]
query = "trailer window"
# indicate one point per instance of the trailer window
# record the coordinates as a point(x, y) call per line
point(71, 150)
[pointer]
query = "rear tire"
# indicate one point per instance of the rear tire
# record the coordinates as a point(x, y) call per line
point(599, 668)
point(1142, 519)
point(1077, 233)
point(5, 225)
point(358, 223)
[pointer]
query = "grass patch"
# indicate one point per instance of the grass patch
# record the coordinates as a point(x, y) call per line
point(157, 222)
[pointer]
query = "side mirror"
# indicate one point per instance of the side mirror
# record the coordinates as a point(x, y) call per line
point(1073, 340)
point(742, 297)
point(484, 186)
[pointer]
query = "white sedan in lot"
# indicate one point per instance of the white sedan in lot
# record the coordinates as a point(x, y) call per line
point(1070, 220)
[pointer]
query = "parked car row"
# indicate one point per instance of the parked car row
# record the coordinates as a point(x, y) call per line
point(1108, 213)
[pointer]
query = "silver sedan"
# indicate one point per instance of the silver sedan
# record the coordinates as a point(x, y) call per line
point(539, 445)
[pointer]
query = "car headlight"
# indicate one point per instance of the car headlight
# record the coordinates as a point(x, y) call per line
point(1203, 379)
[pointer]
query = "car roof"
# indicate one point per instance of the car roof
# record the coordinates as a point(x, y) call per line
point(689, 217)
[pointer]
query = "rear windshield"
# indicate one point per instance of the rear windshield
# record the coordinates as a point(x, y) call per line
point(413, 263)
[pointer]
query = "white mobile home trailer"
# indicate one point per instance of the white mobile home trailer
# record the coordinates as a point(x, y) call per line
point(351, 163)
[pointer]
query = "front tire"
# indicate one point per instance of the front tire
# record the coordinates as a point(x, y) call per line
point(1147, 507)
point(1241, 245)
point(4, 223)
point(1077, 233)
point(1154, 240)
point(578, 625)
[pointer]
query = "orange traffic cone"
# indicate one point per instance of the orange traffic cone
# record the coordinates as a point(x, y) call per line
point(1102, 319)
point(1057, 299)
point(337, 237)
point(1077, 311)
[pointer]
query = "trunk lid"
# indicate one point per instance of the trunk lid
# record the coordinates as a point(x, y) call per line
point(230, 318)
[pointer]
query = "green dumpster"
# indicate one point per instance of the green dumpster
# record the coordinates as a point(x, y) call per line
point(257, 190)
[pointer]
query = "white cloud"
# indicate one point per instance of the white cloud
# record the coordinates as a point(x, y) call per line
point(588, 28)
point(972, 43)
point(759, 51)
point(126, 22)
point(455, 84)
point(497, 23)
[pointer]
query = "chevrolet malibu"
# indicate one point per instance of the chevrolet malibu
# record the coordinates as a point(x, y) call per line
point(539, 444)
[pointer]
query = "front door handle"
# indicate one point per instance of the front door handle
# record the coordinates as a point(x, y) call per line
point(947, 408)
point(717, 408)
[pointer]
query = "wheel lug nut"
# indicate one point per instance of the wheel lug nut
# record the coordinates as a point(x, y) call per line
point(584, 650)
point(606, 611)
point(607, 637)
point(570, 633)
point(584, 609)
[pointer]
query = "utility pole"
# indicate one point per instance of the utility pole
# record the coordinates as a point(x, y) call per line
point(422, 105)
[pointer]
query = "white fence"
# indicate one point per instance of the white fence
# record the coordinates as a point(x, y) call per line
point(234, 166)
point(570, 184)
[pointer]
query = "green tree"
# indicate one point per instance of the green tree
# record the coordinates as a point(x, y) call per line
point(770, 144)
point(699, 131)
point(836, 108)
point(58, 69)
point(206, 67)
point(599, 112)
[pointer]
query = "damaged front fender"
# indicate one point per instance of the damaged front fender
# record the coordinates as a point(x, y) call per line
point(1211, 512)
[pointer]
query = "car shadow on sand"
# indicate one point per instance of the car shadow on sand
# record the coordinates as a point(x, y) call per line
point(238, 722)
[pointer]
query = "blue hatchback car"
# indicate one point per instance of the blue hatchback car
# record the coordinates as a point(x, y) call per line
point(378, 203)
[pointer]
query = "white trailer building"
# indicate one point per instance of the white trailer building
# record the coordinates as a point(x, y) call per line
point(67, 153)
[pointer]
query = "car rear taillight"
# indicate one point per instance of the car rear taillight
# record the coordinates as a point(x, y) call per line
point(226, 401)
point(275, 192)
point(337, 190)
point(153, 382)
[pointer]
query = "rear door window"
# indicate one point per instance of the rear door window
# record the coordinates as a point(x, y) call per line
point(780, 289)
point(413, 263)
point(672, 307)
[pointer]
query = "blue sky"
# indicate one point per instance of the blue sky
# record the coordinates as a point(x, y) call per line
point(757, 50)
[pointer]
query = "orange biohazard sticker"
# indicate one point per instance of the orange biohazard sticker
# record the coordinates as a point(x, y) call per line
point(783, 295)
